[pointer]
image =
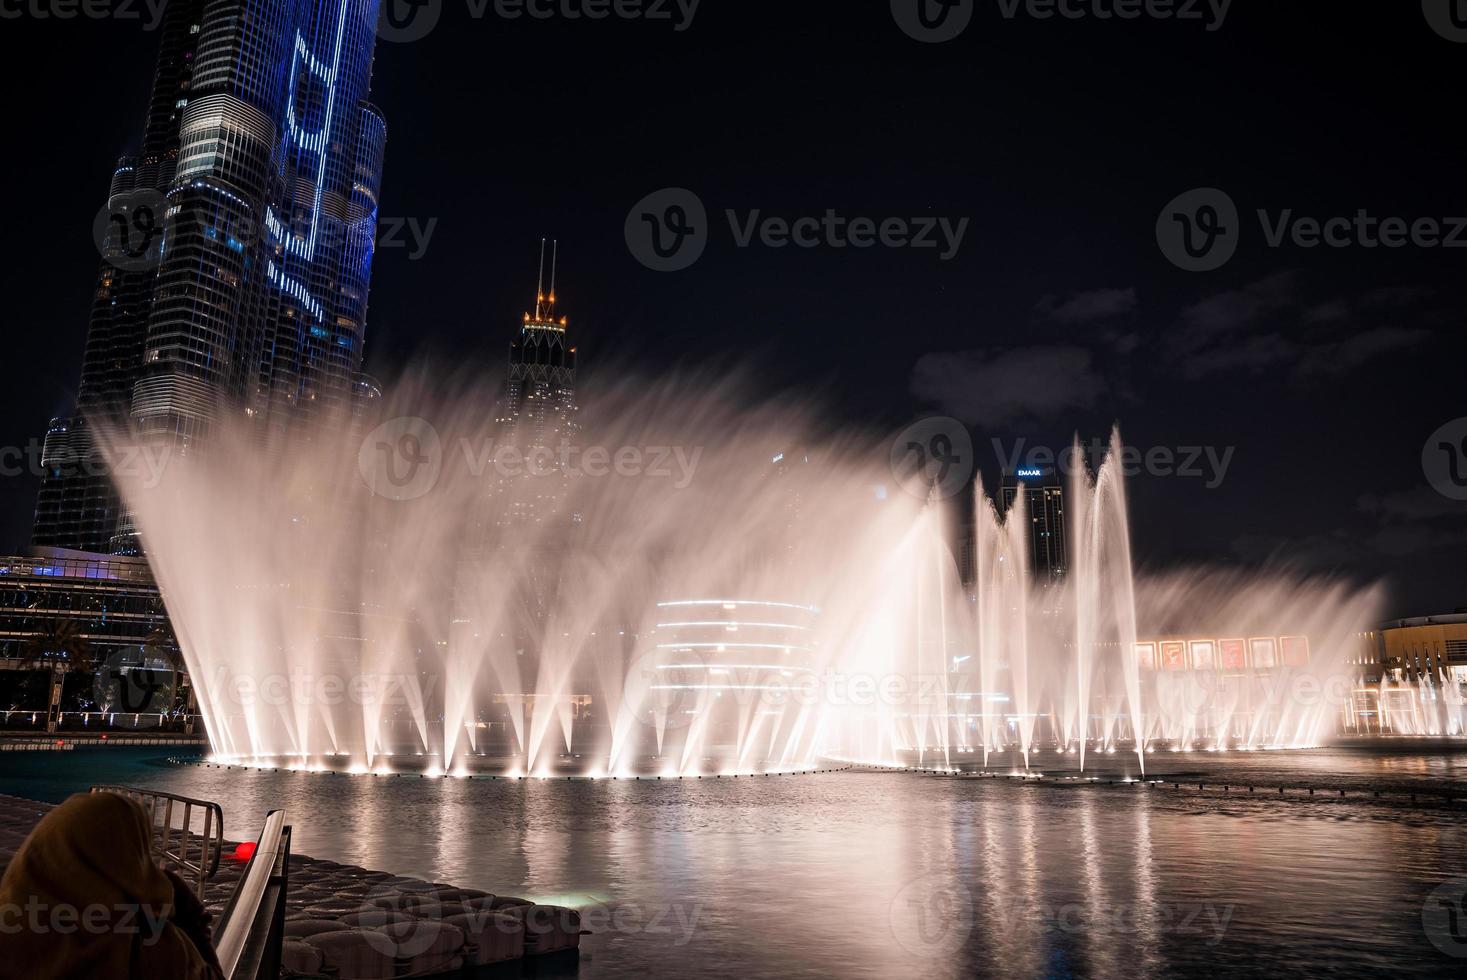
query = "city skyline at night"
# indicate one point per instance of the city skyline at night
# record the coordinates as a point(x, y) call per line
point(609, 489)
point(1056, 315)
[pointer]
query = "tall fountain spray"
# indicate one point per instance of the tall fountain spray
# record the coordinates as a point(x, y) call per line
point(710, 583)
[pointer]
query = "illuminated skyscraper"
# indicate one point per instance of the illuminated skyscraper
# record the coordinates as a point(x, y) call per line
point(1045, 505)
point(254, 297)
point(537, 411)
point(78, 506)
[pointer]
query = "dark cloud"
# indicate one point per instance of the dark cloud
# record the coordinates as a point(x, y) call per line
point(1416, 504)
point(1097, 304)
point(1324, 552)
point(1258, 327)
point(1211, 335)
point(1342, 357)
point(1402, 524)
point(991, 387)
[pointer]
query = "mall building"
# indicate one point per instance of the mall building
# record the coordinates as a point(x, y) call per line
point(74, 627)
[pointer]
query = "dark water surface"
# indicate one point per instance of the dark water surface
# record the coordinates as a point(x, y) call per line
point(896, 874)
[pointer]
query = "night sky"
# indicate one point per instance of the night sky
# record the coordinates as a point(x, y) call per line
point(1324, 370)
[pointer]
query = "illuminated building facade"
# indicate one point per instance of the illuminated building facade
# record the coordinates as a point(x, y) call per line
point(1227, 655)
point(1044, 501)
point(109, 605)
point(265, 159)
point(1423, 689)
point(1427, 647)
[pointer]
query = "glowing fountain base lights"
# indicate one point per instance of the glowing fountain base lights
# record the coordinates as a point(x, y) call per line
point(327, 767)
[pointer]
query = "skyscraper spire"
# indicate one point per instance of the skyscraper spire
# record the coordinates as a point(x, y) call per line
point(544, 315)
point(540, 281)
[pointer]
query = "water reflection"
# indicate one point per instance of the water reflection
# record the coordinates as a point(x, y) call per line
point(879, 875)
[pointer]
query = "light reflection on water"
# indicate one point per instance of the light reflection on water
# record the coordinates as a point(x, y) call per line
point(885, 874)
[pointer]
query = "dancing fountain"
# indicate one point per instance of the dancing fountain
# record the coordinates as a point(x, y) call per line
point(710, 585)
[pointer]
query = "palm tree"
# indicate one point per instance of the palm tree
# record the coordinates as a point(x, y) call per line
point(58, 639)
point(161, 644)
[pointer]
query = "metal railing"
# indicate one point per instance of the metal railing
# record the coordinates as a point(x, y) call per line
point(253, 924)
point(177, 843)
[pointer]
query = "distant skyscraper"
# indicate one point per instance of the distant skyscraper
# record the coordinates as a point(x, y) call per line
point(524, 515)
point(1045, 502)
point(248, 293)
point(791, 477)
point(537, 411)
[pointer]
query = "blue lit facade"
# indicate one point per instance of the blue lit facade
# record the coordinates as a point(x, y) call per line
point(267, 163)
point(275, 207)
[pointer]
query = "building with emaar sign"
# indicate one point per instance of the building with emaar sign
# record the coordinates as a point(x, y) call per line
point(1044, 499)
